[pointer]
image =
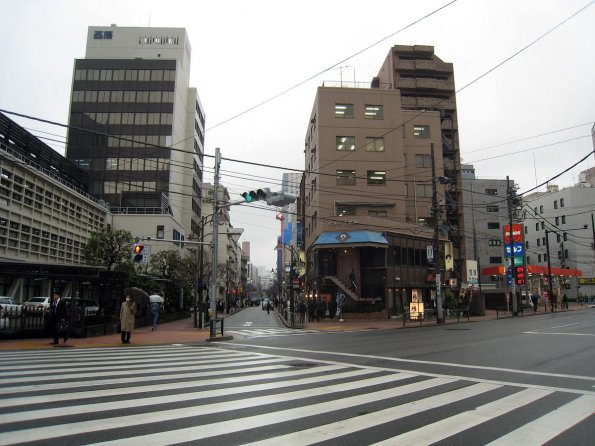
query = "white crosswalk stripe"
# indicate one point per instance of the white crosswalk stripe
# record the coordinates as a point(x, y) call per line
point(227, 395)
point(253, 333)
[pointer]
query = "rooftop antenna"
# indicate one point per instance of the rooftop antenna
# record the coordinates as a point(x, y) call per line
point(149, 19)
point(341, 72)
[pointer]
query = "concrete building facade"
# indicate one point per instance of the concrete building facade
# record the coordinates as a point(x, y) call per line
point(426, 83)
point(137, 128)
point(367, 197)
point(567, 217)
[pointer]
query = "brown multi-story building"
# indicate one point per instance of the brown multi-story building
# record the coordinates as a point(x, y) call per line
point(367, 197)
point(427, 84)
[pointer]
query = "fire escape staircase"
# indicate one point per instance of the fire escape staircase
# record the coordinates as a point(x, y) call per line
point(343, 286)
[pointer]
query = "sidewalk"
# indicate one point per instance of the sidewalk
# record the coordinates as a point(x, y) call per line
point(183, 331)
point(177, 332)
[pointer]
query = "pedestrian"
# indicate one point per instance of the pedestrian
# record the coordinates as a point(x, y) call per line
point(352, 284)
point(535, 301)
point(58, 318)
point(154, 314)
point(268, 306)
point(127, 315)
point(565, 301)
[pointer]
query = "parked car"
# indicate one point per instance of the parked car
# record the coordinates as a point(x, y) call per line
point(9, 309)
point(37, 304)
point(265, 302)
point(91, 307)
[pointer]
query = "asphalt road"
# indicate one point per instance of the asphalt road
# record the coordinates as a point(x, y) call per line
point(522, 381)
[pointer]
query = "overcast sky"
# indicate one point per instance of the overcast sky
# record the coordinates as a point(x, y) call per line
point(244, 53)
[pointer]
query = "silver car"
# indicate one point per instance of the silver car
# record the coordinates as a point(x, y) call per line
point(37, 304)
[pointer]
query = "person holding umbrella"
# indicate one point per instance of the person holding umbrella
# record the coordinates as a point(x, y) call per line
point(127, 316)
point(156, 302)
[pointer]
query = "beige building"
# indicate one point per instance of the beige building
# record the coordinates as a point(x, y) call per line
point(367, 196)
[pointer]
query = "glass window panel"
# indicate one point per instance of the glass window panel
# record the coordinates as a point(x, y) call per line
point(376, 177)
point(374, 112)
point(345, 177)
point(116, 96)
point(343, 110)
point(374, 144)
point(421, 131)
point(345, 143)
point(131, 75)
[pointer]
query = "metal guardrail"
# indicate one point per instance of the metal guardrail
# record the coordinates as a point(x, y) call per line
point(432, 316)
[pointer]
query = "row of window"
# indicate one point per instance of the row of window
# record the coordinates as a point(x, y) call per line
point(555, 206)
point(370, 111)
point(124, 75)
point(14, 187)
point(127, 96)
point(375, 144)
point(342, 210)
point(80, 119)
point(558, 220)
point(137, 164)
point(116, 187)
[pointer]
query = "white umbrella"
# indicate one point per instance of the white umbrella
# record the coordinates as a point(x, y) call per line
point(156, 298)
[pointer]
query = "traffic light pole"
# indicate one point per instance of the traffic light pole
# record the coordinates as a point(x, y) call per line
point(215, 246)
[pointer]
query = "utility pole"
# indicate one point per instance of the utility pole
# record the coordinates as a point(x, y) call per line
point(509, 193)
point(437, 255)
point(215, 245)
point(549, 270)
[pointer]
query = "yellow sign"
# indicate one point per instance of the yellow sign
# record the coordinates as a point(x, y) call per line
point(586, 281)
point(416, 310)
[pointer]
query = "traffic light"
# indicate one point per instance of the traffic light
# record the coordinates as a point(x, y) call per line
point(137, 252)
point(256, 195)
point(280, 199)
point(519, 275)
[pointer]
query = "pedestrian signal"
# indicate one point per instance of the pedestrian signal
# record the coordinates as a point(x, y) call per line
point(137, 252)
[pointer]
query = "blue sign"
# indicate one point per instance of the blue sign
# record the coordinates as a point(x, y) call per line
point(519, 250)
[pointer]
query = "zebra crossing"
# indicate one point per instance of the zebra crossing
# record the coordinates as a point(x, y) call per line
point(254, 333)
point(219, 396)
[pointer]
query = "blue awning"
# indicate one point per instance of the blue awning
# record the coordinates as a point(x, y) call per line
point(350, 238)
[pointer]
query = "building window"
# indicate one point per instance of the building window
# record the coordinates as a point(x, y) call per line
point(565, 236)
point(561, 202)
point(421, 131)
point(376, 213)
point(376, 177)
point(541, 209)
point(160, 232)
point(527, 246)
point(423, 160)
point(538, 258)
point(374, 144)
point(558, 238)
point(342, 210)
point(542, 225)
point(493, 225)
point(563, 219)
point(491, 192)
point(538, 242)
point(557, 221)
point(374, 112)
point(423, 190)
point(543, 241)
point(345, 177)
point(494, 242)
point(537, 226)
point(495, 259)
point(345, 143)
point(343, 110)
point(555, 204)
point(491, 208)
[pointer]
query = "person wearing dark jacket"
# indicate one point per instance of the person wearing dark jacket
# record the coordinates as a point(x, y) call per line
point(58, 318)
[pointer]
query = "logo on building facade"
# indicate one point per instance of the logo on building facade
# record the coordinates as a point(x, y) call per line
point(103, 35)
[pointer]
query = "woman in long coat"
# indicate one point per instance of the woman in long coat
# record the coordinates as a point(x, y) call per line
point(127, 315)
